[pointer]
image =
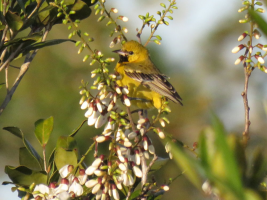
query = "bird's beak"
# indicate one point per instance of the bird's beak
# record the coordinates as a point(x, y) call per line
point(121, 52)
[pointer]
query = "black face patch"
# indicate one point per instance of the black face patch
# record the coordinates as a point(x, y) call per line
point(123, 59)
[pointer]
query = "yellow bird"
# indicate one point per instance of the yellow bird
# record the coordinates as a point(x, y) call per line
point(146, 84)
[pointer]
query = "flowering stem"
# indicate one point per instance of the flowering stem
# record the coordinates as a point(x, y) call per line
point(113, 21)
point(159, 22)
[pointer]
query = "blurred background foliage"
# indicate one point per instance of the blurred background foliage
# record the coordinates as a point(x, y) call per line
point(195, 53)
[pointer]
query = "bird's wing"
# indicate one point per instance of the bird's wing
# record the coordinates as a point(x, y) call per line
point(153, 79)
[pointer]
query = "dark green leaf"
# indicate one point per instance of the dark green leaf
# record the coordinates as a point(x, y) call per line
point(47, 43)
point(26, 159)
point(24, 176)
point(135, 194)
point(2, 27)
point(81, 9)
point(14, 21)
point(43, 130)
point(77, 129)
point(17, 132)
point(33, 37)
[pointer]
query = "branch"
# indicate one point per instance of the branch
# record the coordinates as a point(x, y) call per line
point(23, 69)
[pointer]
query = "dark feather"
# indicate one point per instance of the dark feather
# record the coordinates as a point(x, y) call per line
point(157, 83)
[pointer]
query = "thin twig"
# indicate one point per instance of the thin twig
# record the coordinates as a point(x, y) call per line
point(7, 85)
point(244, 94)
point(130, 118)
point(23, 69)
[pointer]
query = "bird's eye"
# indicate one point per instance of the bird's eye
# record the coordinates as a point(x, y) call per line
point(130, 53)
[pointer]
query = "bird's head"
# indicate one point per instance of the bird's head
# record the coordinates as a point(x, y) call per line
point(132, 51)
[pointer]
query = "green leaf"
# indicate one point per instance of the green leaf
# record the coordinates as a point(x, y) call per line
point(33, 37)
point(26, 159)
point(17, 132)
point(65, 157)
point(24, 176)
point(232, 174)
point(77, 129)
point(47, 43)
point(259, 20)
point(135, 194)
point(14, 21)
point(66, 152)
point(43, 130)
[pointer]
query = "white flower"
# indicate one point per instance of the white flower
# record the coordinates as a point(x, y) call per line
point(76, 188)
point(91, 183)
point(65, 170)
point(41, 188)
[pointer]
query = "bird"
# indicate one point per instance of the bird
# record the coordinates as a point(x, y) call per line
point(146, 84)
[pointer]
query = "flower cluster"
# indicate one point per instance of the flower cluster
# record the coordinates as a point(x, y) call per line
point(70, 186)
point(253, 60)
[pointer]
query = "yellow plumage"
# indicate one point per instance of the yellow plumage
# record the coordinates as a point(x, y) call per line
point(146, 84)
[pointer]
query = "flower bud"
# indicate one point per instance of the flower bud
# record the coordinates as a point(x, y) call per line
point(238, 48)
point(240, 59)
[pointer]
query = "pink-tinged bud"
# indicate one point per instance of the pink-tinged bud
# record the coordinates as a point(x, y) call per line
point(118, 90)
point(122, 167)
point(90, 110)
point(114, 10)
point(264, 48)
point(165, 188)
point(127, 143)
point(84, 105)
point(121, 158)
point(124, 19)
point(126, 100)
point(161, 134)
point(96, 188)
point(91, 183)
point(240, 59)
point(162, 122)
point(64, 181)
point(97, 162)
point(238, 48)
point(90, 170)
point(98, 105)
point(99, 172)
point(53, 185)
point(260, 59)
point(111, 105)
point(145, 143)
point(142, 121)
point(125, 90)
point(137, 171)
point(102, 138)
point(115, 192)
point(241, 37)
